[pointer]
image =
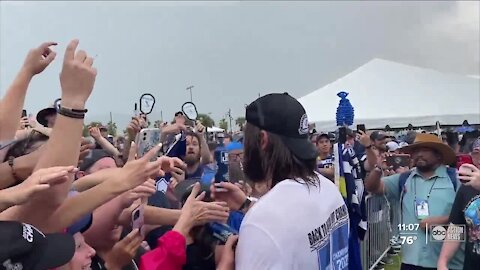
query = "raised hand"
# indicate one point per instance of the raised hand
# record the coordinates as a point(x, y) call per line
point(364, 139)
point(196, 212)
point(39, 181)
point(134, 127)
point(39, 58)
point(124, 251)
point(470, 174)
point(95, 132)
point(199, 128)
point(137, 171)
point(229, 193)
point(227, 260)
point(24, 123)
point(143, 191)
point(77, 77)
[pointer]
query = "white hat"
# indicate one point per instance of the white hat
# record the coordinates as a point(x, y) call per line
point(392, 146)
point(402, 144)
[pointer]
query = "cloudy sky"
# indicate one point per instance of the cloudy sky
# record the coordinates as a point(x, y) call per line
point(230, 51)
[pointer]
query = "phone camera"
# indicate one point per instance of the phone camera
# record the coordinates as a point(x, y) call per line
point(136, 215)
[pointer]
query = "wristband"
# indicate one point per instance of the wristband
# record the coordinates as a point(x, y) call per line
point(246, 204)
point(72, 113)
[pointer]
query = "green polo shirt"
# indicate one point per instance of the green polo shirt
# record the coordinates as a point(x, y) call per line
point(422, 252)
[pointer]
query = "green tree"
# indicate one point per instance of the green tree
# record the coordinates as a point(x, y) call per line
point(223, 124)
point(206, 120)
point(85, 132)
point(240, 122)
point(112, 128)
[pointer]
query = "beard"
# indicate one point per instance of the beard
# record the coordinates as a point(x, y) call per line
point(192, 159)
point(253, 165)
point(424, 166)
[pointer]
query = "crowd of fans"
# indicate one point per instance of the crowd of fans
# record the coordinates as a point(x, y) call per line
point(73, 202)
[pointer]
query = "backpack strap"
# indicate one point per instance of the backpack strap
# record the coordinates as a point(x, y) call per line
point(402, 180)
point(452, 174)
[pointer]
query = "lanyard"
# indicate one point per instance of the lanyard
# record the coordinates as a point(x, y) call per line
point(428, 195)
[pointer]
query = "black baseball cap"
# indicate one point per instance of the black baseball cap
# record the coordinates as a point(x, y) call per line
point(329, 136)
point(94, 156)
point(283, 115)
point(25, 247)
point(43, 114)
point(378, 136)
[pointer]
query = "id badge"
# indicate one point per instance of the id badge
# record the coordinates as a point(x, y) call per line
point(421, 207)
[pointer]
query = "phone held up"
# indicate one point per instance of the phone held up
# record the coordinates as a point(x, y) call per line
point(138, 218)
point(147, 139)
point(221, 158)
point(362, 128)
point(464, 159)
point(398, 160)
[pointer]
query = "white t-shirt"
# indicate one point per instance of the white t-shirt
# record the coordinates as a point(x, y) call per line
point(295, 226)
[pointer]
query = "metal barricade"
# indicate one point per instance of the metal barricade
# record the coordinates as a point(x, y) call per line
point(377, 239)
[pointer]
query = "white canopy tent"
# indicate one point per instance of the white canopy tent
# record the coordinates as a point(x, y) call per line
point(388, 93)
point(215, 130)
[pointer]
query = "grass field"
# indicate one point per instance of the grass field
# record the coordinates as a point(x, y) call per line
point(395, 265)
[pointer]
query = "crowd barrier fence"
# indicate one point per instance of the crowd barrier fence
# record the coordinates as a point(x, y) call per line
point(383, 218)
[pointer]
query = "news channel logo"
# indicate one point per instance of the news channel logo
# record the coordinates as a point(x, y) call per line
point(440, 233)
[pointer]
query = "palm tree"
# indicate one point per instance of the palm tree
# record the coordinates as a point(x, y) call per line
point(240, 122)
point(206, 120)
point(223, 124)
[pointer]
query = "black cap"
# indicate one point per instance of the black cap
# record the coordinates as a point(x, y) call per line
point(350, 133)
point(283, 115)
point(378, 136)
point(94, 156)
point(25, 247)
point(43, 114)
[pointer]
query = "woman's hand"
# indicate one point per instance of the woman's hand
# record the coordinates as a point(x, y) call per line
point(124, 251)
point(229, 193)
point(470, 174)
point(196, 212)
point(228, 255)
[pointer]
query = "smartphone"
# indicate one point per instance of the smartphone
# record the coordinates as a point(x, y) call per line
point(362, 128)
point(24, 113)
point(147, 139)
point(398, 160)
point(464, 159)
point(221, 232)
point(179, 147)
point(221, 158)
point(135, 110)
point(138, 218)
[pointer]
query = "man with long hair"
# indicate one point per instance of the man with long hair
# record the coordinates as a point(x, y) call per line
point(302, 221)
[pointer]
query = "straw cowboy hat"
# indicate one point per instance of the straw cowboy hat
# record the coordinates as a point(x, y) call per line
point(431, 141)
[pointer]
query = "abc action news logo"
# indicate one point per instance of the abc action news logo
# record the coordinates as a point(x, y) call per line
point(447, 233)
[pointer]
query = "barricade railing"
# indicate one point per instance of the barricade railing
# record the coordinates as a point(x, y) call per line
point(382, 218)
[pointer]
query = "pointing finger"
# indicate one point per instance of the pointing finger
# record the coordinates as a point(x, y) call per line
point(70, 51)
